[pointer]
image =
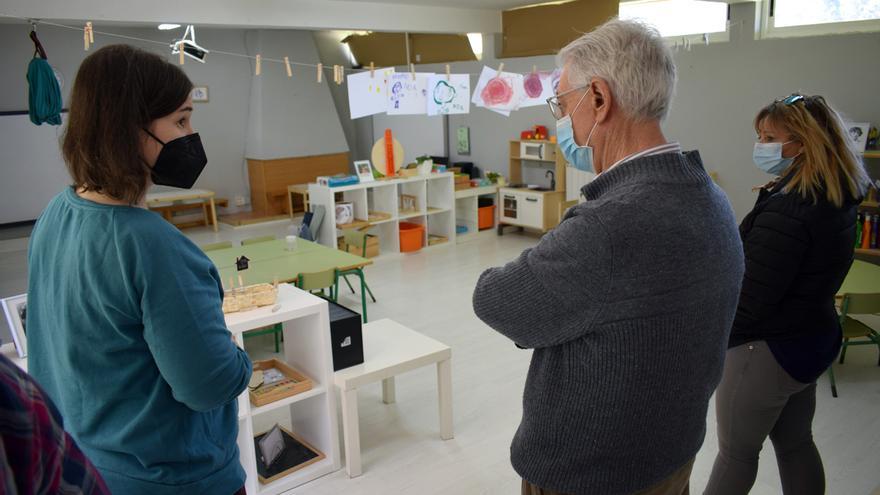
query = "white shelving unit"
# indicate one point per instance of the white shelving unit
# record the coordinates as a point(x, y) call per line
point(466, 208)
point(312, 413)
point(435, 207)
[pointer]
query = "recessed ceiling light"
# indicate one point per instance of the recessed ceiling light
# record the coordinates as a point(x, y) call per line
point(168, 27)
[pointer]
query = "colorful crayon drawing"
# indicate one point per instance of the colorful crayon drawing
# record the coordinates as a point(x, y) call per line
point(449, 96)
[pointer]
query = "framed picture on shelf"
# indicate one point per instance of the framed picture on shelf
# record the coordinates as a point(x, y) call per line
point(364, 170)
point(858, 132)
point(15, 308)
point(344, 212)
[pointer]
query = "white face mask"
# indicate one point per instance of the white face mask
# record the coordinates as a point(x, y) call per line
point(768, 157)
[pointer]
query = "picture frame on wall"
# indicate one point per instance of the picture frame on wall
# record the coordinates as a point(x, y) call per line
point(858, 132)
point(463, 140)
point(364, 170)
point(15, 308)
point(200, 94)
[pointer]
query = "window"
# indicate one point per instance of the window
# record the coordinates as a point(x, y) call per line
point(812, 17)
point(680, 18)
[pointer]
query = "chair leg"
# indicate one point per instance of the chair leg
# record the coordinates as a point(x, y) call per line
point(345, 277)
point(843, 350)
point(370, 292)
point(833, 383)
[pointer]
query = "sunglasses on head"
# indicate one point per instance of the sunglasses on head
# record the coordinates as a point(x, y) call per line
point(792, 99)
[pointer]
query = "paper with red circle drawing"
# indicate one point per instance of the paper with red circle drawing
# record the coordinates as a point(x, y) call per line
point(500, 92)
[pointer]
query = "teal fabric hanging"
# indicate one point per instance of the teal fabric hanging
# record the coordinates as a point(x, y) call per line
point(44, 93)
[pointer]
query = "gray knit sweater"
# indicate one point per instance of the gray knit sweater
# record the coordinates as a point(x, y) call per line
point(628, 305)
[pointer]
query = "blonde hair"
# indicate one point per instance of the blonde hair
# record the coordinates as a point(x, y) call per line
point(829, 165)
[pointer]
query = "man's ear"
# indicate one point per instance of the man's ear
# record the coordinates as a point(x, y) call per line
point(600, 99)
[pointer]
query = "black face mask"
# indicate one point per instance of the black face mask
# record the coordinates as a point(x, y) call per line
point(180, 162)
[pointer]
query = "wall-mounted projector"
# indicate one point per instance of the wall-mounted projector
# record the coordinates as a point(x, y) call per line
point(189, 46)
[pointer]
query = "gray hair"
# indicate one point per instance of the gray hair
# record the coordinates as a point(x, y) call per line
point(633, 59)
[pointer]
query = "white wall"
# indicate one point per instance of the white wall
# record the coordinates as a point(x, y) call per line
point(271, 116)
point(290, 116)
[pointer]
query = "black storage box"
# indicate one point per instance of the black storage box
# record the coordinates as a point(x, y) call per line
point(483, 202)
point(345, 336)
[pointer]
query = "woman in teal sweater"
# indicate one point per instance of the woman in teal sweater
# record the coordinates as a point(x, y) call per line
point(125, 327)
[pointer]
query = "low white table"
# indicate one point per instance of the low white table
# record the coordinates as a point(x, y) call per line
point(203, 195)
point(389, 350)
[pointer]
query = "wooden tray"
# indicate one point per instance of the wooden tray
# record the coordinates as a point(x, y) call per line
point(297, 455)
point(295, 383)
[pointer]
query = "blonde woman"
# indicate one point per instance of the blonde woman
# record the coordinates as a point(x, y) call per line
point(798, 243)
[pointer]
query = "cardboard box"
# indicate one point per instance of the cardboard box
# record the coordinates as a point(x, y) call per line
point(372, 247)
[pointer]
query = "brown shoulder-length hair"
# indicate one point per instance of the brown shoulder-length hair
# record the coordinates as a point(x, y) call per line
point(829, 165)
point(119, 90)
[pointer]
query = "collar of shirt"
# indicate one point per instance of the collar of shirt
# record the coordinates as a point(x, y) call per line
point(674, 147)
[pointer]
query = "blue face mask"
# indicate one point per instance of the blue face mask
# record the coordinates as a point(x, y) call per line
point(579, 156)
point(768, 157)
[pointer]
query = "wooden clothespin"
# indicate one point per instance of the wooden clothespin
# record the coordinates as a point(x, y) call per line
point(258, 68)
point(180, 52)
point(240, 281)
point(337, 71)
point(500, 68)
point(88, 37)
point(534, 69)
point(372, 70)
point(447, 73)
point(320, 72)
point(412, 70)
point(287, 66)
point(341, 74)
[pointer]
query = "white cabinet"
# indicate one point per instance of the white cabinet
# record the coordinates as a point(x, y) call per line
point(467, 209)
point(528, 209)
point(434, 208)
point(311, 414)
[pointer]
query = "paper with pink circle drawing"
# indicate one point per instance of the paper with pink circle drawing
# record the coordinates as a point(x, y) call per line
point(537, 87)
point(498, 92)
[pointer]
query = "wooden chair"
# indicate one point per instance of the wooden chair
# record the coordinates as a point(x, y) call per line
point(316, 282)
point(856, 304)
point(215, 246)
point(255, 240)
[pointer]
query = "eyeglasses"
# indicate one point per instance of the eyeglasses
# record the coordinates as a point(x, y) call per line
point(553, 101)
point(792, 99)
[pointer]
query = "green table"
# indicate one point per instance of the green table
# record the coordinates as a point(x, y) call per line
point(863, 278)
point(270, 261)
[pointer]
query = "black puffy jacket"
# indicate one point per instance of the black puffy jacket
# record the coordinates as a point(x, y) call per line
point(797, 254)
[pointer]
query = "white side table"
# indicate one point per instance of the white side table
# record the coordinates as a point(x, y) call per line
point(389, 350)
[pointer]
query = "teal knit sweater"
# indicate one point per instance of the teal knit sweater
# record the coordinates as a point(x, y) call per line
point(127, 336)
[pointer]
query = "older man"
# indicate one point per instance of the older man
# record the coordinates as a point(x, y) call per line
point(629, 301)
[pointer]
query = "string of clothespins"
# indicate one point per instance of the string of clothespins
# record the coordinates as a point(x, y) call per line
point(339, 71)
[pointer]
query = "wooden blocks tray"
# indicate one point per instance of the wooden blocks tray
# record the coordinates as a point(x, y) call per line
point(293, 383)
point(249, 297)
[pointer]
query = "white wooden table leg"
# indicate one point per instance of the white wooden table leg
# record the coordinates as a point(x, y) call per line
point(444, 392)
point(388, 393)
point(351, 433)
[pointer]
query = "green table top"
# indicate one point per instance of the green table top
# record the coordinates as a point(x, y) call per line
point(863, 278)
point(270, 260)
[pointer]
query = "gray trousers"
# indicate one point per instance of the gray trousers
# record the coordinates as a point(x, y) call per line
point(757, 398)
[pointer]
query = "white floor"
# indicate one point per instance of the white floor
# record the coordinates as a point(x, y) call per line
point(431, 292)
